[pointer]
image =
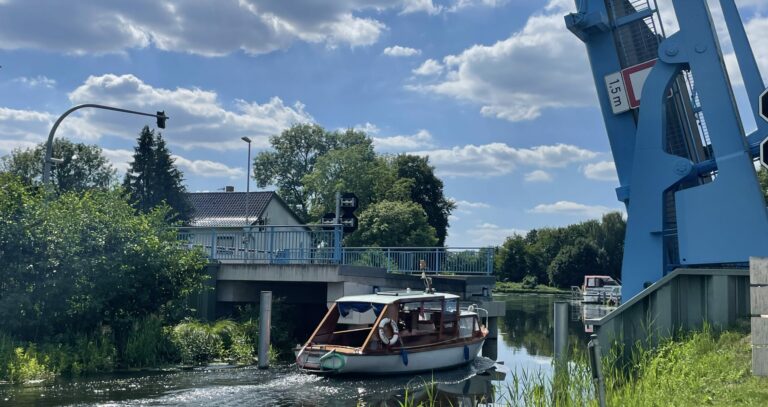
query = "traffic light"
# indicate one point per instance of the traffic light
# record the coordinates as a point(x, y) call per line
point(161, 118)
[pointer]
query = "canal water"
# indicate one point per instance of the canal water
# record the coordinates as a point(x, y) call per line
point(525, 344)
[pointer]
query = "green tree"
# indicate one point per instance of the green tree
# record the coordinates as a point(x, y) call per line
point(81, 261)
point(427, 191)
point(762, 178)
point(83, 166)
point(354, 168)
point(512, 260)
point(153, 179)
point(393, 223)
point(575, 261)
point(294, 154)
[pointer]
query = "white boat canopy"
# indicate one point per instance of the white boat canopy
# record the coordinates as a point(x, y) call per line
point(390, 297)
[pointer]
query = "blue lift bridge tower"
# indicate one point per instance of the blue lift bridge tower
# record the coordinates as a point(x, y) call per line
point(696, 212)
point(684, 162)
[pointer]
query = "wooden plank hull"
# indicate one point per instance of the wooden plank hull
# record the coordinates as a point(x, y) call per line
point(394, 363)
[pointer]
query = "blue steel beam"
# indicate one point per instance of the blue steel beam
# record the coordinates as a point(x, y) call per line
point(591, 24)
point(753, 81)
point(728, 214)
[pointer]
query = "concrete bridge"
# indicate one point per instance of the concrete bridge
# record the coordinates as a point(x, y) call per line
point(308, 267)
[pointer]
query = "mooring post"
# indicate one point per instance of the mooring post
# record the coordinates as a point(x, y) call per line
point(595, 363)
point(561, 331)
point(265, 326)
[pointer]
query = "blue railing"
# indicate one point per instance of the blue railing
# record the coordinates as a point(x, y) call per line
point(315, 244)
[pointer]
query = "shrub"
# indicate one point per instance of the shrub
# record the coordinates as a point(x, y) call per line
point(25, 366)
point(529, 282)
point(197, 342)
point(149, 344)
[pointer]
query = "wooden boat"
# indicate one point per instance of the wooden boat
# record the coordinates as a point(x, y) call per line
point(392, 333)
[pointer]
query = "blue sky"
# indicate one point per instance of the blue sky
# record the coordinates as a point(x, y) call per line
point(496, 92)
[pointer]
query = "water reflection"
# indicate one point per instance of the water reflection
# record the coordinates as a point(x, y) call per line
point(524, 344)
point(528, 324)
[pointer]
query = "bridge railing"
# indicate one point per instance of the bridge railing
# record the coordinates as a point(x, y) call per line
point(438, 260)
point(315, 244)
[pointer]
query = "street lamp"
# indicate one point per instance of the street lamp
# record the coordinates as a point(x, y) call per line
point(48, 160)
point(247, 180)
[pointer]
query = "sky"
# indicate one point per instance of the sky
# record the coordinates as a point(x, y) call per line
point(498, 93)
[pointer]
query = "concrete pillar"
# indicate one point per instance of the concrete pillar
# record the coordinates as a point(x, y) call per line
point(561, 330)
point(758, 279)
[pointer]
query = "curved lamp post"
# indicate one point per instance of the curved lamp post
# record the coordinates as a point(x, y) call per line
point(48, 160)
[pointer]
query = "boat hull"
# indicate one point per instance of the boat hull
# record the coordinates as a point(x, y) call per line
point(415, 361)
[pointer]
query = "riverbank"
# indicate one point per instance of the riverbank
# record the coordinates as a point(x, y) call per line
point(700, 368)
point(150, 347)
point(519, 288)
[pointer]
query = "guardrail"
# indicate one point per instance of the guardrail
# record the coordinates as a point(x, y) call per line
point(316, 244)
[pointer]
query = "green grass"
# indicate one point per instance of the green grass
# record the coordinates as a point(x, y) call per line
point(702, 368)
point(514, 287)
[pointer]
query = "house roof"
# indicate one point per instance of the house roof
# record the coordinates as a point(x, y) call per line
point(227, 209)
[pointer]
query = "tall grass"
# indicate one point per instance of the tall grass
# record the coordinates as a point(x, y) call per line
point(695, 369)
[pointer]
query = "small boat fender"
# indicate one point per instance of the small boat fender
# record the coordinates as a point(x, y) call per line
point(404, 355)
point(466, 352)
point(388, 340)
point(332, 361)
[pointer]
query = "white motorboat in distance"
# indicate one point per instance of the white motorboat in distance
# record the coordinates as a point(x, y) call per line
point(601, 290)
point(393, 333)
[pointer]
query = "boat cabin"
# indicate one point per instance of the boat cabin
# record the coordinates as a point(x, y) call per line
point(601, 289)
point(387, 321)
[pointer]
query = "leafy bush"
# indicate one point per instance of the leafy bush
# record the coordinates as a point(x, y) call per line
point(197, 342)
point(149, 344)
point(529, 282)
point(238, 347)
point(25, 366)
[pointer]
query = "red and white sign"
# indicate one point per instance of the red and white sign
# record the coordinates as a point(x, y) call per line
point(634, 79)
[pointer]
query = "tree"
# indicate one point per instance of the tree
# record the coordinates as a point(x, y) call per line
point(427, 191)
point(355, 169)
point(575, 261)
point(512, 261)
point(83, 167)
point(762, 179)
point(153, 179)
point(82, 260)
point(295, 152)
point(393, 223)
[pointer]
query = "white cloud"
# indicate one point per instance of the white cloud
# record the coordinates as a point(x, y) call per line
point(398, 51)
point(208, 169)
point(414, 6)
point(489, 234)
point(120, 159)
point(197, 117)
point(197, 27)
point(572, 208)
point(422, 139)
point(601, 171)
point(462, 4)
point(367, 128)
point(468, 207)
point(539, 67)
point(462, 204)
point(27, 128)
point(538, 176)
point(496, 159)
point(428, 68)
point(33, 82)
